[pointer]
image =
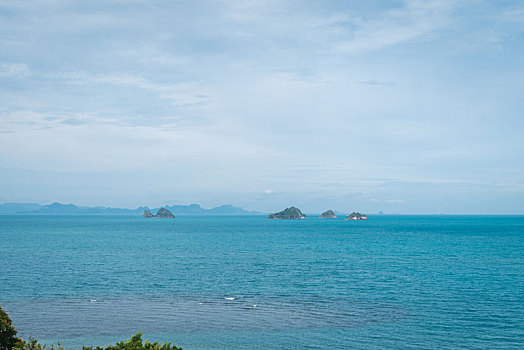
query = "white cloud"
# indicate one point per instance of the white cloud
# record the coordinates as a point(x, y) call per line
point(515, 14)
point(14, 70)
point(179, 94)
point(75, 142)
point(319, 98)
point(394, 201)
point(417, 19)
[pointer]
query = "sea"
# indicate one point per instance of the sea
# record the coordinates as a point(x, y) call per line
point(246, 282)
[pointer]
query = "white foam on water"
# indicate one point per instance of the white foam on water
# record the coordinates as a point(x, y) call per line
point(229, 298)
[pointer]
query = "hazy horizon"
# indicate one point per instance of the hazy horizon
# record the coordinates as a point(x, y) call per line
point(408, 107)
point(339, 211)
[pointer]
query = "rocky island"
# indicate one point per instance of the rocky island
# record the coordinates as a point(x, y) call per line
point(356, 216)
point(288, 214)
point(161, 213)
point(328, 214)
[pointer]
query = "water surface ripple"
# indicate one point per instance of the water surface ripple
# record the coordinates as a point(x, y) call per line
point(404, 282)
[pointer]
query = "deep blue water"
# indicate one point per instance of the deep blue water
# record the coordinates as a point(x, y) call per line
point(392, 282)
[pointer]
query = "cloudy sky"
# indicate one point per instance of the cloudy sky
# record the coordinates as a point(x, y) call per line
point(394, 106)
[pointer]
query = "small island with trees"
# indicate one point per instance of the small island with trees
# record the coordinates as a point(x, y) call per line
point(161, 213)
point(291, 213)
point(328, 214)
point(356, 216)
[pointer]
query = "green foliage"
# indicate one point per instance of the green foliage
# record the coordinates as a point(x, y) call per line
point(33, 344)
point(356, 216)
point(288, 213)
point(135, 343)
point(328, 214)
point(8, 338)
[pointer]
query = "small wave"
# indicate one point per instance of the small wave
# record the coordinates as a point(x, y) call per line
point(93, 300)
point(229, 298)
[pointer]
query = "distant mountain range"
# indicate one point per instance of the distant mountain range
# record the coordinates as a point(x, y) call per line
point(71, 209)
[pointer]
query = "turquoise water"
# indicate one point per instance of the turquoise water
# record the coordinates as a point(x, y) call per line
point(392, 282)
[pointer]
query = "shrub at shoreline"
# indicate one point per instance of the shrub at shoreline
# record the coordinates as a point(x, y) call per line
point(10, 341)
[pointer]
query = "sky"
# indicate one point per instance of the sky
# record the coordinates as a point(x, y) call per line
point(394, 106)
